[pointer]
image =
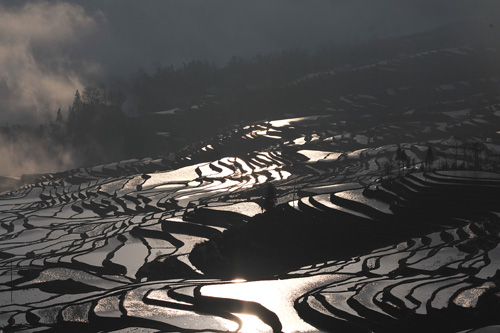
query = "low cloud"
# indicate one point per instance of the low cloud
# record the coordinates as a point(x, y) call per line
point(49, 49)
point(38, 72)
point(29, 155)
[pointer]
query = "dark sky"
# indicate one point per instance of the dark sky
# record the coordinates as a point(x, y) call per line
point(166, 32)
point(48, 49)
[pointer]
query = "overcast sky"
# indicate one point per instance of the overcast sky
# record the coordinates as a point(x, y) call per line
point(49, 49)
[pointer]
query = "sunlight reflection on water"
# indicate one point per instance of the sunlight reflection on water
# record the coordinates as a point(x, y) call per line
point(244, 208)
point(185, 319)
point(252, 323)
point(277, 296)
point(287, 122)
point(317, 155)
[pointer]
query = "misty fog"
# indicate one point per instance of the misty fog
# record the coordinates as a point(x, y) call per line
point(49, 49)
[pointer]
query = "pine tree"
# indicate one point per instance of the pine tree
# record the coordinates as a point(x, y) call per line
point(398, 158)
point(401, 158)
point(429, 157)
point(77, 102)
point(404, 158)
point(59, 117)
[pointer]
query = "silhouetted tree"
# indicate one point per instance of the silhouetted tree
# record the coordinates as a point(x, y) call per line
point(429, 157)
point(91, 95)
point(398, 156)
point(408, 164)
point(477, 149)
point(77, 102)
point(456, 142)
point(270, 198)
point(74, 111)
point(401, 158)
point(59, 116)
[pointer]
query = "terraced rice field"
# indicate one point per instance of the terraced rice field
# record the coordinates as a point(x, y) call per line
point(107, 248)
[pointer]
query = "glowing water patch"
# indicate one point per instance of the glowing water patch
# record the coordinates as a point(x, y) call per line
point(356, 154)
point(244, 208)
point(316, 155)
point(184, 319)
point(132, 255)
point(272, 136)
point(182, 174)
point(252, 323)
point(356, 195)
point(300, 141)
point(261, 179)
point(287, 122)
point(285, 174)
point(277, 296)
point(259, 132)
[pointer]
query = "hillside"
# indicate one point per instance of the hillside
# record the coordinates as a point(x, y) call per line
point(361, 198)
